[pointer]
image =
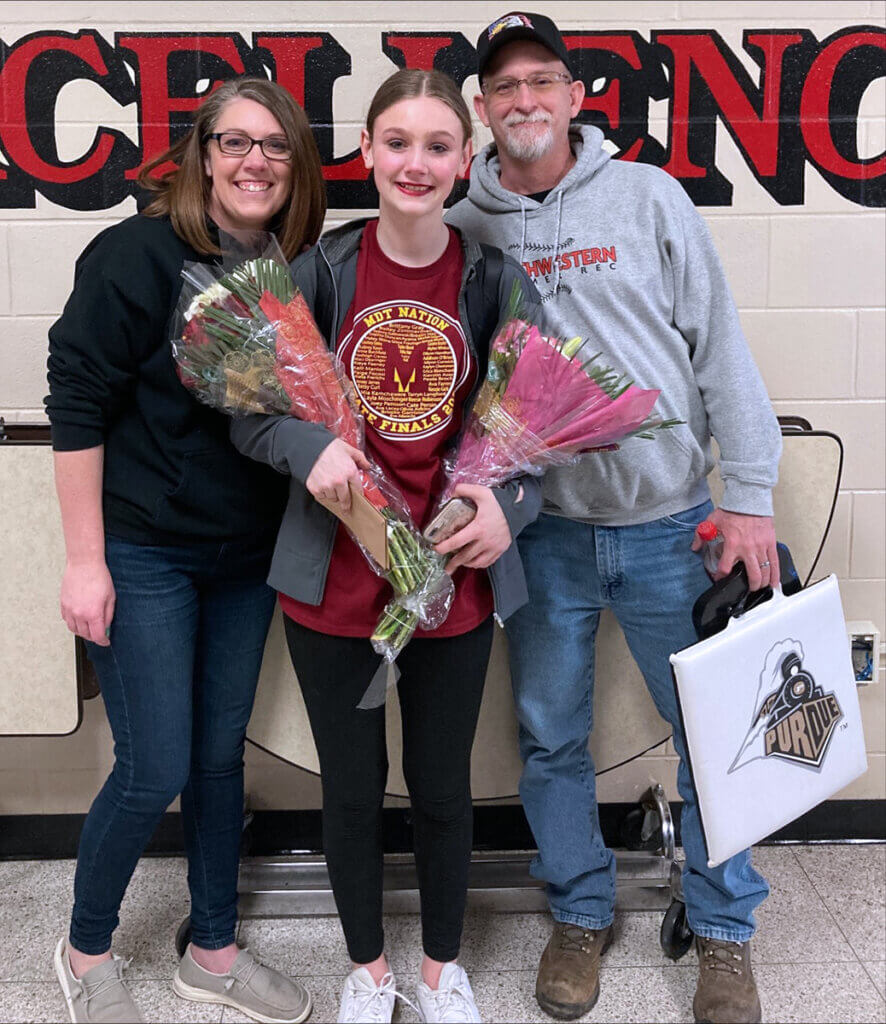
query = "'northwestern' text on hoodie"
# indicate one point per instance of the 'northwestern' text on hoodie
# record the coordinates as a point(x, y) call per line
point(620, 256)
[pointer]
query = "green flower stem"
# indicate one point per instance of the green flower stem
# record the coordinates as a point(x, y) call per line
point(394, 631)
point(252, 279)
point(405, 553)
point(395, 572)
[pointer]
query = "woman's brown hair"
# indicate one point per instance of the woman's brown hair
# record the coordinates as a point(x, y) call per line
point(411, 82)
point(183, 194)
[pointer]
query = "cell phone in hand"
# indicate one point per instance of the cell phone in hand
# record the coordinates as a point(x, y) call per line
point(454, 516)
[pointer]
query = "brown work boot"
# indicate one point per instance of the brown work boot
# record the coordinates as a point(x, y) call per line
point(568, 982)
point(726, 992)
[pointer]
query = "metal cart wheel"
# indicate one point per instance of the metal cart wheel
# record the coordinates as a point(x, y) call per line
point(631, 829)
point(675, 936)
point(183, 937)
point(641, 830)
point(650, 826)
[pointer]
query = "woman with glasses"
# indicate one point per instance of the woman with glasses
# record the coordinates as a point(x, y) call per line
point(168, 533)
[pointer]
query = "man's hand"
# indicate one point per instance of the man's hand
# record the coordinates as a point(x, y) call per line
point(337, 466)
point(87, 600)
point(748, 539)
point(484, 539)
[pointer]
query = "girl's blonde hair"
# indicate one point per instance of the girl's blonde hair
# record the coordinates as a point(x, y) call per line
point(183, 193)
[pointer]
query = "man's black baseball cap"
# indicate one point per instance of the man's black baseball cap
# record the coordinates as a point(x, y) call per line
point(519, 25)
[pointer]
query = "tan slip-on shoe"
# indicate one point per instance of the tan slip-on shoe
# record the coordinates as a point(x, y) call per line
point(101, 996)
point(258, 991)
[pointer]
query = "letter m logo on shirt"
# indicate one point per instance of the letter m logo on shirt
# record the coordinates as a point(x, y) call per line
point(404, 373)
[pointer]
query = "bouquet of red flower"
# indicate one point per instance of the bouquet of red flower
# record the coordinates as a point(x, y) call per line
point(246, 342)
point(540, 405)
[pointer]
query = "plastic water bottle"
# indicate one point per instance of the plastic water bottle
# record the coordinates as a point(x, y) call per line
point(712, 545)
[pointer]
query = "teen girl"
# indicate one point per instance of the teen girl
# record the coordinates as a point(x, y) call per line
point(410, 308)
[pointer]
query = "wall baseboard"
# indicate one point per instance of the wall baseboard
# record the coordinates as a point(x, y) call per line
point(496, 827)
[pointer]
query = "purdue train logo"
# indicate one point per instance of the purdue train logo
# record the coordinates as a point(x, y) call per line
point(794, 718)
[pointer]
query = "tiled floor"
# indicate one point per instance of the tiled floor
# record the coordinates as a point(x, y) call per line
point(820, 953)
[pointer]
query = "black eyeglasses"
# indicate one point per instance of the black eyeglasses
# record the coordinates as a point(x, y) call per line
point(240, 144)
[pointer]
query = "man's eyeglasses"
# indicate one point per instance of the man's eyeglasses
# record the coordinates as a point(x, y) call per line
point(540, 83)
point(239, 144)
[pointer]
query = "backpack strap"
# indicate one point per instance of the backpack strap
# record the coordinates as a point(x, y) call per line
point(482, 297)
point(491, 270)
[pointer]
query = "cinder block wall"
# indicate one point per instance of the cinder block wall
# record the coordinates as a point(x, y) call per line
point(794, 203)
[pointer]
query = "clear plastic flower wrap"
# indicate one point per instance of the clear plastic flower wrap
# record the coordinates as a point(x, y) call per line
point(544, 402)
point(244, 341)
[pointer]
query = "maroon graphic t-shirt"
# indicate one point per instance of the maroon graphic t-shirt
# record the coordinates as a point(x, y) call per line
point(404, 349)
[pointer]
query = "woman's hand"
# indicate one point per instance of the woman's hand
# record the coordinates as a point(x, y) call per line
point(87, 597)
point(338, 465)
point(484, 539)
point(87, 600)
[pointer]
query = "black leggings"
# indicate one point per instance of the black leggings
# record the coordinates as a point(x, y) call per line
point(440, 688)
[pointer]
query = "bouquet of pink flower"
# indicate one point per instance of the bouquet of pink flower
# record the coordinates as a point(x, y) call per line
point(543, 403)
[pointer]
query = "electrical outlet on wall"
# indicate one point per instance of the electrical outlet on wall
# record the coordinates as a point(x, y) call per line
point(864, 639)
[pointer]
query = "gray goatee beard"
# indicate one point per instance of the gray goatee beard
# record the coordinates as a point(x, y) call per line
point(523, 146)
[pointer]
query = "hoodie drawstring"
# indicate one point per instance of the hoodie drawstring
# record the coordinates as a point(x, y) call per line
point(557, 241)
point(556, 236)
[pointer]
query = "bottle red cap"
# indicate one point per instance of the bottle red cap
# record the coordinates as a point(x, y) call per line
point(706, 530)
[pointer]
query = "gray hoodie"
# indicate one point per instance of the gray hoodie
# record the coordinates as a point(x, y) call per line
point(621, 256)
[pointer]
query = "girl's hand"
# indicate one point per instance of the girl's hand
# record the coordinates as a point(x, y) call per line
point(338, 465)
point(484, 539)
point(87, 600)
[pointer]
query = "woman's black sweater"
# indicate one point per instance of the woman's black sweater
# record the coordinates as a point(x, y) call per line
point(171, 476)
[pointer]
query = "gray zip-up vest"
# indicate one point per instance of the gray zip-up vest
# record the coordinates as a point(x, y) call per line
point(326, 274)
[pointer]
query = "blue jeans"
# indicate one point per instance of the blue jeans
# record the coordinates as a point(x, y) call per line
point(178, 682)
point(650, 578)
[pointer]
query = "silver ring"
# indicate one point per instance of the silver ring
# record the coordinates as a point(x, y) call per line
point(764, 565)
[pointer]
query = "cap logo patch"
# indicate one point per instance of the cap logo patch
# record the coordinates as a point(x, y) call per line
point(508, 21)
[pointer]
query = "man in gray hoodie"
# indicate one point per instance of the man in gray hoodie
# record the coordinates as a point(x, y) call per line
point(621, 256)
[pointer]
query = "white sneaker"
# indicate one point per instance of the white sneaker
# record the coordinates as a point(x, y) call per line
point(364, 1001)
point(452, 1000)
